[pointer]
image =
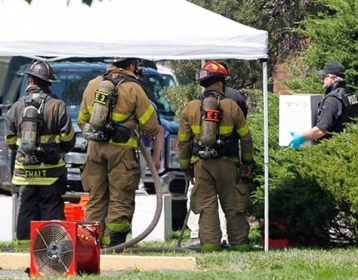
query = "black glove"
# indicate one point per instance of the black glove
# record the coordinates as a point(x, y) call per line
point(245, 170)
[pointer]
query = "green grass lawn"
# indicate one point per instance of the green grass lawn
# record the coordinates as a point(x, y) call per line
point(275, 264)
point(291, 263)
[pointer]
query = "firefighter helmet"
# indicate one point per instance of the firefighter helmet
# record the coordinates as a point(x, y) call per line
point(211, 69)
point(122, 61)
point(43, 71)
point(225, 65)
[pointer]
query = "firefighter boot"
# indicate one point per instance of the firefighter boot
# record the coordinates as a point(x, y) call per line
point(118, 238)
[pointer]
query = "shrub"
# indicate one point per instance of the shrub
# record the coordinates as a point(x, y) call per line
point(179, 96)
point(309, 187)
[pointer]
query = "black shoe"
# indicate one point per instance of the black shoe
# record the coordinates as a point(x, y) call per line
point(118, 238)
point(225, 245)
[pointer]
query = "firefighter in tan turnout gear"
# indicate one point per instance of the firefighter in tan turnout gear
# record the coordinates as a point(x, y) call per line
point(38, 127)
point(112, 107)
point(209, 130)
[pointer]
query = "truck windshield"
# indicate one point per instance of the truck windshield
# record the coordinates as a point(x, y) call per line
point(153, 86)
point(169, 80)
point(72, 84)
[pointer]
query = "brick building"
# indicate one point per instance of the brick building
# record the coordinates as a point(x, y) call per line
point(281, 74)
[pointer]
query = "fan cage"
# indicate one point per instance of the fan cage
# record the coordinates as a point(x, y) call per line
point(64, 248)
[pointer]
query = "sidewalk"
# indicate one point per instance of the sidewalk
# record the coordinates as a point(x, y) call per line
point(112, 262)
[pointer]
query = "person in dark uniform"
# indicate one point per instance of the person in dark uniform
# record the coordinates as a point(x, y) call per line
point(339, 106)
point(216, 164)
point(234, 95)
point(40, 143)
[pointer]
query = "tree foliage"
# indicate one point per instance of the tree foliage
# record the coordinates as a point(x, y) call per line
point(333, 37)
point(179, 96)
point(277, 17)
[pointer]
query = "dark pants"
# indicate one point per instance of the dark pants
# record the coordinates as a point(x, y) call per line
point(38, 203)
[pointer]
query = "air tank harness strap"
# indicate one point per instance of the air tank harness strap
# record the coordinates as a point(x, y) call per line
point(43, 154)
point(202, 152)
point(224, 147)
point(116, 132)
point(119, 133)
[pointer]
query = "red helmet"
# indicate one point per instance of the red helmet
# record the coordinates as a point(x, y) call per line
point(210, 70)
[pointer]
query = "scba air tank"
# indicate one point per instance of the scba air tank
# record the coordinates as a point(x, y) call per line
point(101, 105)
point(29, 130)
point(210, 122)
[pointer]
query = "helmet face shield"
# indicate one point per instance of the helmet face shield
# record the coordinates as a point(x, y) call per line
point(202, 75)
point(211, 69)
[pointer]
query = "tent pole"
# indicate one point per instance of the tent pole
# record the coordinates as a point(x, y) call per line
point(266, 151)
point(202, 63)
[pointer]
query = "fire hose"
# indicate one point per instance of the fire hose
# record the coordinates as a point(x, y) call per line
point(125, 247)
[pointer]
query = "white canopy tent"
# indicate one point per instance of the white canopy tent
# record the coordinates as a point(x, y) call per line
point(154, 29)
point(149, 29)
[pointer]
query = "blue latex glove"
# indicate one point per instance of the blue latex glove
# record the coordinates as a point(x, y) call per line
point(297, 140)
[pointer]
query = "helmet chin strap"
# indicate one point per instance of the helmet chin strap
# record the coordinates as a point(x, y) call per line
point(31, 81)
point(224, 86)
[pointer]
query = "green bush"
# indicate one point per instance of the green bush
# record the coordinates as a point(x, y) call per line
point(332, 34)
point(179, 96)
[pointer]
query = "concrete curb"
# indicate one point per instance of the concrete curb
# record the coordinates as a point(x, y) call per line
point(14, 261)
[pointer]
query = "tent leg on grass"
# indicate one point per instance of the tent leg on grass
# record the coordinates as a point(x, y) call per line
point(266, 150)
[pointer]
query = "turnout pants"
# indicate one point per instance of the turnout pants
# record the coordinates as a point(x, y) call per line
point(111, 176)
point(220, 178)
point(193, 219)
point(38, 203)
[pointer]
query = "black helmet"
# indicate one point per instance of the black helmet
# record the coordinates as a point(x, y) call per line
point(43, 71)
